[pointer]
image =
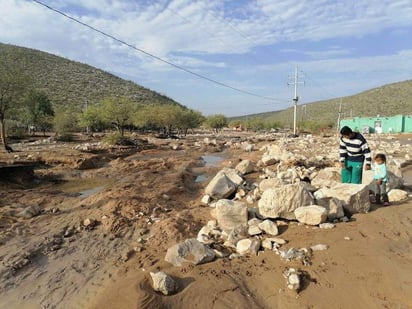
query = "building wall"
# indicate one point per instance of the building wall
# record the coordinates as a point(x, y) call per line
point(407, 124)
point(394, 124)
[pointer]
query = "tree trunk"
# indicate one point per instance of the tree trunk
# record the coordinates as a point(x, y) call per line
point(3, 134)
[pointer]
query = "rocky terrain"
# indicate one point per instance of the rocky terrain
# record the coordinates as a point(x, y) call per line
point(207, 221)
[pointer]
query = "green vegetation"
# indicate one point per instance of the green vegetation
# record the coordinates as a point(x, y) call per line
point(70, 83)
point(216, 122)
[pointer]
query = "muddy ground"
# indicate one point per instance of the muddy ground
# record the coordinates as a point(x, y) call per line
point(86, 228)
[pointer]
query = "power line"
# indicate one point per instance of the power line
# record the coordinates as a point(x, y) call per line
point(152, 55)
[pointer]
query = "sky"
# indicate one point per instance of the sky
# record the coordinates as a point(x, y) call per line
point(241, 54)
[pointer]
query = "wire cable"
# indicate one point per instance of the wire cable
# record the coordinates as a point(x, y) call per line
point(154, 56)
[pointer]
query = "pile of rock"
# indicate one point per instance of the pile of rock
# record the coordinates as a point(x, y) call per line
point(292, 187)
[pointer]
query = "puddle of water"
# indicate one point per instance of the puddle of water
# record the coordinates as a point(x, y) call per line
point(211, 160)
point(201, 178)
point(87, 193)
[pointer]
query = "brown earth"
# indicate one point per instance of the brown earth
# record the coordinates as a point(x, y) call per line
point(142, 201)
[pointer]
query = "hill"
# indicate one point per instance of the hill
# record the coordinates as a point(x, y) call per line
point(69, 82)
point(387, 100)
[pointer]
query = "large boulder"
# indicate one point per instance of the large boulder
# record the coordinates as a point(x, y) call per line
point(230, 214)
point(191, 251)
point(354, 197)
point(220, 187)
point(394, 182)
point(311, 215)
point(270, 183)
point(281, 202)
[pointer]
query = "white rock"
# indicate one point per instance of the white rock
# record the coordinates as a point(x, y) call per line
point(253, 227)
point(311, 215)
point(282, 201)
point(333, 205)
point(327, 177)
point(220, 187)
point(267, 244)
point(164, 283)
point(248, 246)
point(397, 195)
point(277, 240)
point(270, 183)
point(354, 197)
point(245, 167)
point(327, 225)
point(230, 214)
point(206, 199)
point(319, 247)
point(269, 227)
point(190, 250)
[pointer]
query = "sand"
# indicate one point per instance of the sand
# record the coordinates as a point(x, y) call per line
point(146, 202)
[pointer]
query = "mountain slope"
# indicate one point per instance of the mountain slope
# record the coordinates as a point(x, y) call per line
point(72, 83)
point(387, 100)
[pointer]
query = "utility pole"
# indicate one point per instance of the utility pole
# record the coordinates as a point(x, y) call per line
point(339, 115)
point(295, 98)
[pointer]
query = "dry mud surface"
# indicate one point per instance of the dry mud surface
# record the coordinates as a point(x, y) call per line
point(88, 238)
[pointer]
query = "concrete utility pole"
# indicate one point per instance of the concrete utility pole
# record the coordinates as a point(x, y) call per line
point(295, 98)
point(339, 115)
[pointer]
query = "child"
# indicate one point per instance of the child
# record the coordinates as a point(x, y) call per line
point(381, 179)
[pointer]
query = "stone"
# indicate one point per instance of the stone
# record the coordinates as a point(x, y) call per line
point(397, 195)
point(206, 199)
point(279, 241)
point(164, 283)
point(220, 187)
point(253, 227)
point(267, 244)
point(191, 251)
point(333, 205)
point(248, 246)
point(89, 223)
point(327, 177)
point(238, 233)
point(319, 247)
point(282, 201)
point(245, 167)
point(270, 183)
point(394, 181)
point(230, 214)
point(269, 227)
point(232, 174)
point(30, 212)
point(292, 277)
point(327, 225)
point(354, 197)
point(311, 215)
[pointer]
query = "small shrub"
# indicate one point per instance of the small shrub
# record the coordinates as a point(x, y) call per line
point(65, 137)
point(117, 139)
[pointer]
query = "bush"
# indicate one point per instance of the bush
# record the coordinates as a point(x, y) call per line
point(65, 137)
point(117, 139)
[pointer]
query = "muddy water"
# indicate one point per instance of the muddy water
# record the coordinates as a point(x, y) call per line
point(210, 161)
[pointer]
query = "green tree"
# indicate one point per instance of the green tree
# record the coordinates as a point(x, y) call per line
point(118, 111)
point(38, 110)
point(13, 84)
point(189, 119)
point(92, 118)
point(66, 120)
point(216, 122)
